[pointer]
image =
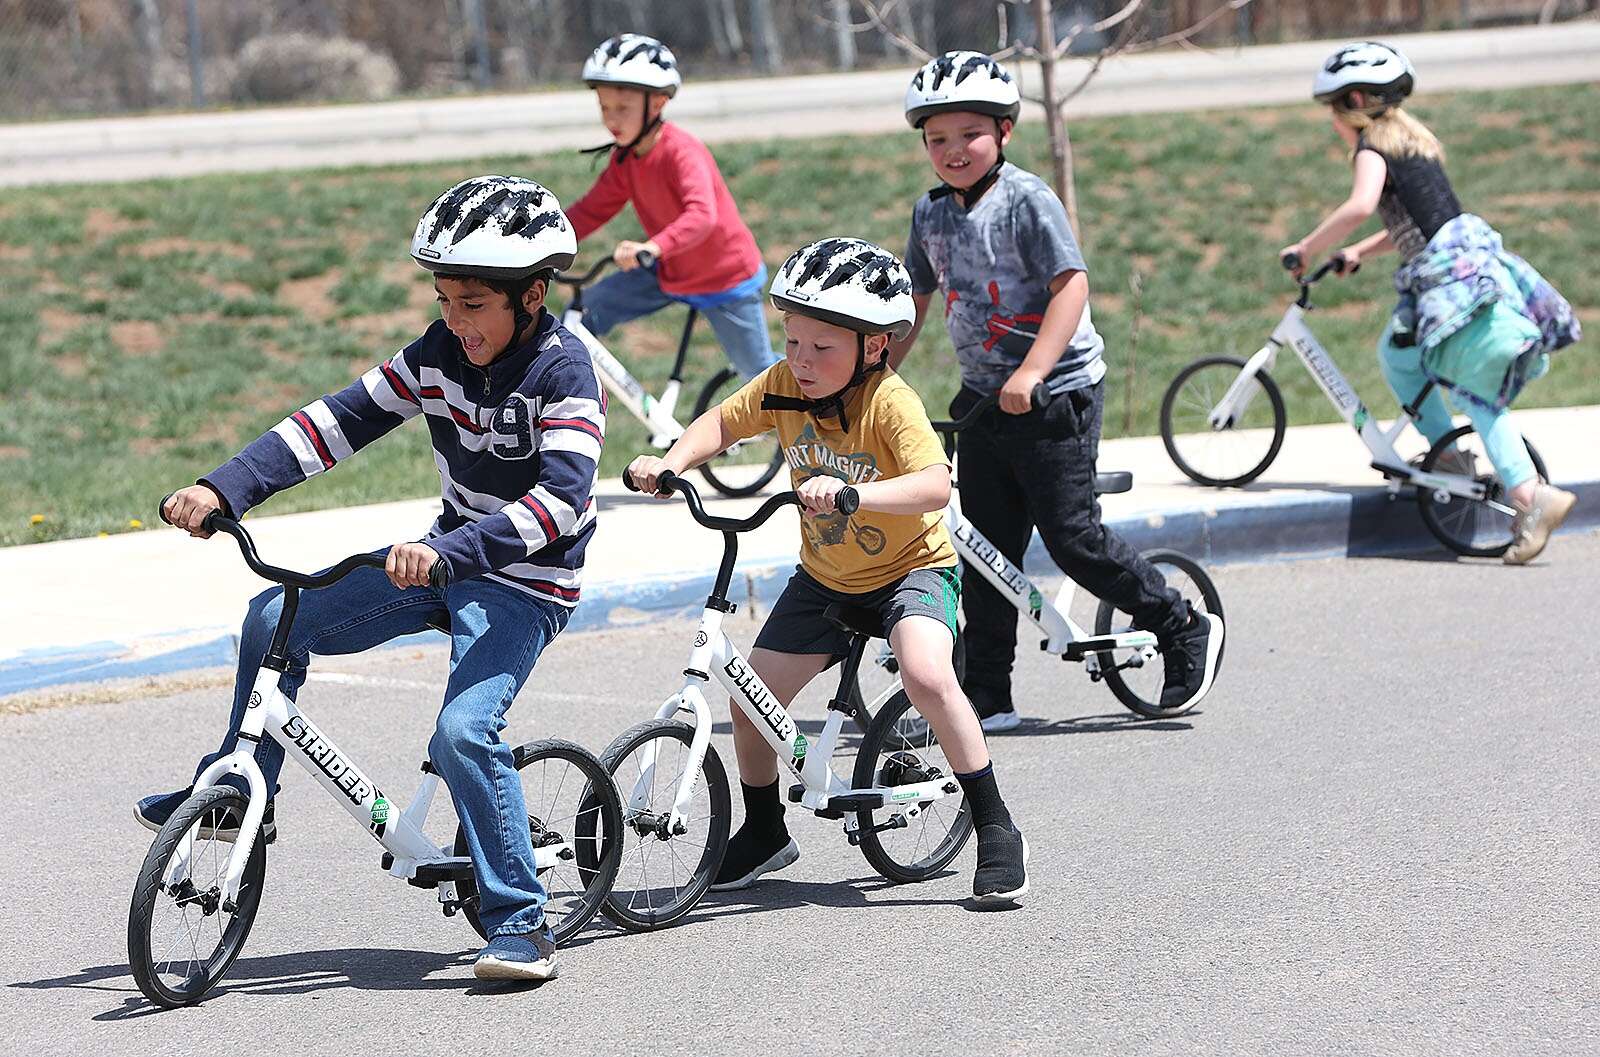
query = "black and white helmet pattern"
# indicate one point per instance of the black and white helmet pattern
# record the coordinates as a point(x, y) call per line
point(633, 60)
point(967, 81)
point(494, 227)
point(1376, 69)
point(847, 282)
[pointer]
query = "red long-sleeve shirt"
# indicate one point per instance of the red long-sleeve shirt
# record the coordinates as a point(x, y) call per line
point(685, 208)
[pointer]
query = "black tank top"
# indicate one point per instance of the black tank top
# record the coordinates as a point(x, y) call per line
point(1416, 202)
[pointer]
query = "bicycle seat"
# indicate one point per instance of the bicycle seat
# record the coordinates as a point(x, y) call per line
point(856, 620)
point(1114, 481)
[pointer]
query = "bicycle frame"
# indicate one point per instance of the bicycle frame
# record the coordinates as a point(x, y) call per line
point(397, 827)
point(657, 414)
point(1295, 332)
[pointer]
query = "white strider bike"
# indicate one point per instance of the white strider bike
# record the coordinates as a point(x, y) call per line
point(1223, 422)
point(200, 887)
point(744, 468)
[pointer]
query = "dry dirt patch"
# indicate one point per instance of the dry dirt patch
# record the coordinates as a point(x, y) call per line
point(138, 337)
point(11, 451)
point(310, 296)
point(173, 244)
point(56, 323)
point(100, 223)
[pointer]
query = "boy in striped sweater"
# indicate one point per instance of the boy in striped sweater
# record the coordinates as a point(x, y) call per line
point(516, 418)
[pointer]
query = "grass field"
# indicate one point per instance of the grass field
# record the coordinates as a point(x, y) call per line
point(148, 330)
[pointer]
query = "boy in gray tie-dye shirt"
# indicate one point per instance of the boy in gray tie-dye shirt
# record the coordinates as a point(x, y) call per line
point(994, 241)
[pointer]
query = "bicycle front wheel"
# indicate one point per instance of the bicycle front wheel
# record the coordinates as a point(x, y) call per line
point(664, 872)
point(903, 847)
point(1139, 687)
point(748, 466)
point(571, 801)
point(1471, 527)
point(181, 939)
point(1244, 447)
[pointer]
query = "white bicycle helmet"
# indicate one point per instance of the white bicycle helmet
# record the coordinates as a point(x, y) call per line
point(633, 60)
point(962, 80)
point(1376, 69)
point(850, 283)
point(494, 227)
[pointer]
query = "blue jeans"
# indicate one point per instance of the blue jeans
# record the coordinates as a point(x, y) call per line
point(497, 633)
point(740, 325)
point(1402, 369)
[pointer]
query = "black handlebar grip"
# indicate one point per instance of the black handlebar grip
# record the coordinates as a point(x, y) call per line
point(1041, 397)
point(439, 575)
point(664, 482)
point(161, 507)
point(628, 482)
point(847, 500)
point(645, 259)
point(1341, 264)
point(1290, 261)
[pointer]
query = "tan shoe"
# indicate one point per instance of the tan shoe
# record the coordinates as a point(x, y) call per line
point(1531, 528)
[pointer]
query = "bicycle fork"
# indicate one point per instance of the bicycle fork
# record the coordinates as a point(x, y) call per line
point(1236, 401)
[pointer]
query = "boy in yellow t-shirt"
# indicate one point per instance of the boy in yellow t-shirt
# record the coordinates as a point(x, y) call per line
point(845, 419)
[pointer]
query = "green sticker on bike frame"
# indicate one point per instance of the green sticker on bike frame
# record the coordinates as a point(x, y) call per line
point(1360, 421)
point(800, 745)
point(380, 811)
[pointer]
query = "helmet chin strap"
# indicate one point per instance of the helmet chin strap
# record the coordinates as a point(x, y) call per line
point(830, 406)
point(647, 125)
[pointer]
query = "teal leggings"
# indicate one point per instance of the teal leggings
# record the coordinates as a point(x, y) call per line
point(1402, 369)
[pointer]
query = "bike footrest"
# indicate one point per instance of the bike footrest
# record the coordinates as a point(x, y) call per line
point(1078, 650)
point(1394, 473)
point(853, 802)
point(434, 874)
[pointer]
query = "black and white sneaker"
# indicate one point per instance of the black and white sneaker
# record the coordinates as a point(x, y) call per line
point(1190, 658)
point(152, 813)
point(751, 854)
point(1002, 874)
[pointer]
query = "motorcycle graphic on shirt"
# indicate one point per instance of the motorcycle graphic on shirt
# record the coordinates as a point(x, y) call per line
point(810, 457)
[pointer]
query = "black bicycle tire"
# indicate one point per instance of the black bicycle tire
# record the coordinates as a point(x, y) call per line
point(1102, 626)
point(715, 778)
point(605, 870)
point(147, 889)
point(1280, 423)
point(1429, 510)
point(702, 404)
point(873, 743)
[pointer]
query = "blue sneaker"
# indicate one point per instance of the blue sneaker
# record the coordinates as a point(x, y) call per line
point(526, 956)
point(153, 811)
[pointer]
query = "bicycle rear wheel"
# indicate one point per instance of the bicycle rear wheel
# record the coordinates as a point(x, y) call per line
point(912, 848)
point(570, 799)
point(181, 939)
point(1244, 448)
point(664, 874)
point(1139, 688)
point(1471, 527)
point(748, 466)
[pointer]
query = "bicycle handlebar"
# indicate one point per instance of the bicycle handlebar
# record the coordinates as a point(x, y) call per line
point(1335, 264)
point(1041, 398)
point(848, 501)
point(438, 575)
point(645, 258)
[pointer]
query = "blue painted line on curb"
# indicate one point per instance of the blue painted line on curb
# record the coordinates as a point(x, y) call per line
point(1354, 523)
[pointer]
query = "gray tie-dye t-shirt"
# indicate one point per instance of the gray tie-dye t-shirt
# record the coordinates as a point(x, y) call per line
point(994, 265)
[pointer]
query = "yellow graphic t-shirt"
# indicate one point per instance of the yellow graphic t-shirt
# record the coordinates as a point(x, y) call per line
point(889, 436)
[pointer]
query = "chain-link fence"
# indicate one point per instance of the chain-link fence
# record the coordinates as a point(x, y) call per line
point(64, 57)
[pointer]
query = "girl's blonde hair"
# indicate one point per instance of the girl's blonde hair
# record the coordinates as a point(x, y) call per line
point(1394, 132)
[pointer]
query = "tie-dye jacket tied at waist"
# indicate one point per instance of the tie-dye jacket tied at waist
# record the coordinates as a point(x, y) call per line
point(1464, 278)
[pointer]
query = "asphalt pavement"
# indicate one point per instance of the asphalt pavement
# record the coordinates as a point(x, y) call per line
point(1375, 836)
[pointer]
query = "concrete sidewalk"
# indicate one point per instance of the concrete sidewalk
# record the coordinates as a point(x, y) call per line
point(131, 148)
point(157, 601)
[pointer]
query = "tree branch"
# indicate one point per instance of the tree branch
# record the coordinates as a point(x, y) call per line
point(1182, 36)
point(1127, 12)
point(877, 16)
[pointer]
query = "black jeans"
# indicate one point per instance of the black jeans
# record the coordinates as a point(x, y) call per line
point(1038, 469)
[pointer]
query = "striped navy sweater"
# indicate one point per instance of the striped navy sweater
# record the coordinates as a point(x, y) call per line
point(517, 445)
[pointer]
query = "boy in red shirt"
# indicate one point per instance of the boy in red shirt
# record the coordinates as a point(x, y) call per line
point(706, 256)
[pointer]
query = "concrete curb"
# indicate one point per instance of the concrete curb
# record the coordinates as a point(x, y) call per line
point(1354, 522)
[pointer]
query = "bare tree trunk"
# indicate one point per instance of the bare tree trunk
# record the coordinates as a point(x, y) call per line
point(765, 49)
point(844, 40)
point(474, 14)
point(730, 24)
point(147, 19)
point(1055, 127)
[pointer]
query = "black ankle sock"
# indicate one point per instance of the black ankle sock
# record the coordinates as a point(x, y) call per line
point(983, 796)
point(763, 811)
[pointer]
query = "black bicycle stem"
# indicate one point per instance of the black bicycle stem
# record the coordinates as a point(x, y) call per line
point(573, 279)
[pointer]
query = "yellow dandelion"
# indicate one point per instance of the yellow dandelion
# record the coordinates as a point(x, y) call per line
point(104, 535)
point(37, 519)
point(135, 523)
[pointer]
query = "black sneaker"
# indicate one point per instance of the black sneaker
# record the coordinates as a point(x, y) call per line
point(153, 811)
point(1190, 657)
point(751, 854)
point(1002, 874)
